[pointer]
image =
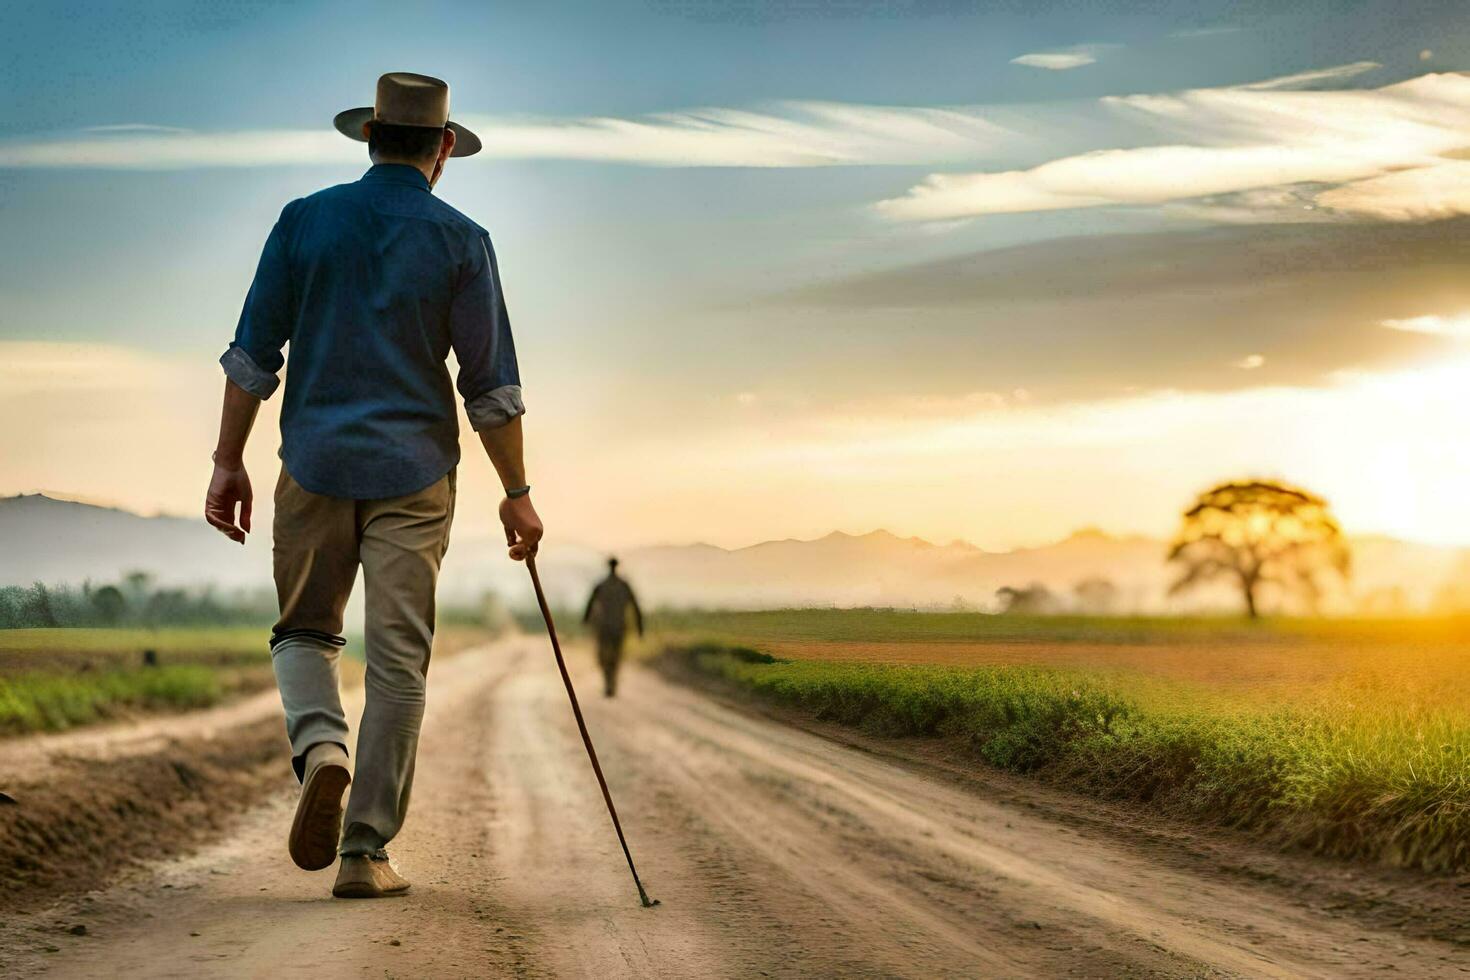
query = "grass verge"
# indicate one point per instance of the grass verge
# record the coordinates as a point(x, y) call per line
point(46, 702)
point(55, 679)
point(1361, 780)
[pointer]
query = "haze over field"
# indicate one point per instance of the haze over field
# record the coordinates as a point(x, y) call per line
point(55, 541)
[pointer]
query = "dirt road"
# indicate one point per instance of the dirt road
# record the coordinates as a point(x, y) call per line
point(776, 852)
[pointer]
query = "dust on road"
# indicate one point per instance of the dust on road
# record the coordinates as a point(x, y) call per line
point(775, 852)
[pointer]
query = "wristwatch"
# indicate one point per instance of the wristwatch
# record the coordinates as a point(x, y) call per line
point(515, 492)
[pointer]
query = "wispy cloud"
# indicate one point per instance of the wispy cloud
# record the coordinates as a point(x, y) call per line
point(1056, 60)
point(1228, 140)
point(1204, 32)
point(1277, 150)
point(1303, 79)
point(795, 134)
point(164, 149)
point(133, 128)
point(791, 134)
point(1437, 326)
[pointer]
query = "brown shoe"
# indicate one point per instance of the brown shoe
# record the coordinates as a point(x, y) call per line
point(318, 823)
point(369, 876)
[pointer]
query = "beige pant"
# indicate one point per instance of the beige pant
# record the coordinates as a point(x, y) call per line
point(319, 543)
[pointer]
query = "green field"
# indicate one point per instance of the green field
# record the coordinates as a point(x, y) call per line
point(53, 679)
point(19, 648)
point(1342, 737)
point(36, 702)
point(878, 625)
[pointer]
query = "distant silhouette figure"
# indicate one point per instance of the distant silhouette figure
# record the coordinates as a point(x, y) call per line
point(607, 613)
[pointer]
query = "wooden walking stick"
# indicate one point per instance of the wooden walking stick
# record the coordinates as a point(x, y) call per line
point(566, 678)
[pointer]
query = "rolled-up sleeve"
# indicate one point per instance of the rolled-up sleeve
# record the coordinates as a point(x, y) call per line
point(489, 378)
point(253, 360)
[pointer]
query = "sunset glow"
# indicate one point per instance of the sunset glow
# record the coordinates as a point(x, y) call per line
point(1070, 291)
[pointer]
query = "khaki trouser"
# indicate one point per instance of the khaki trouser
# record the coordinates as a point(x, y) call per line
point(319, 543)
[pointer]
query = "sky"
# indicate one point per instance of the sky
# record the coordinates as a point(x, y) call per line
point(958, 270)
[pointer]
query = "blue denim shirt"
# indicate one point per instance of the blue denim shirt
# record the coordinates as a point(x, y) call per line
point(373, 284)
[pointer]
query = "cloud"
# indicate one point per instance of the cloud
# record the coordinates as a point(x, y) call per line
point(1441, 190)
point(1292, 204)
point(1205, 32)
point(1149, 175)
point(133, 128)
point(1262, 152)
point(1228, 140)
point(1436, 326)
point(162, 149)
point(1056, 60)
point(790, 134)
point(1337, 73)
point(1095, 315)
point(799, 134)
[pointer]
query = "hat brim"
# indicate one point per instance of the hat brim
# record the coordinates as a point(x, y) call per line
point(349, 124)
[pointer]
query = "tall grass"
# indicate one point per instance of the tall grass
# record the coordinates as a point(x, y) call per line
point(32, 702)
point(1356, 775)
point(53, 679)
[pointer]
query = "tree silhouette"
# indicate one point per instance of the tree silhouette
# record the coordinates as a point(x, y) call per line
point(1257, 532)
point(1096, 594)
point(1035, 600)
point(110, 604)
point(39, 607)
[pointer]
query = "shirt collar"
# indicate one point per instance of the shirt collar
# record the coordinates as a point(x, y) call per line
point(397, 173)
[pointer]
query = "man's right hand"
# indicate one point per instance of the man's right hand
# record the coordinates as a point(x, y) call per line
point(230, 486)
point(522, 527)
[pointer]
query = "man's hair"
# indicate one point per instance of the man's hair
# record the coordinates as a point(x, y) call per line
point(404, 142)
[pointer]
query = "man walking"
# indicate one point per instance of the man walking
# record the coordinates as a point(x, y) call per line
point(372, 284)
point(607, 611)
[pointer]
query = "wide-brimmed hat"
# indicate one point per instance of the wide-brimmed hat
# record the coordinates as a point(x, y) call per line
point(407, 99)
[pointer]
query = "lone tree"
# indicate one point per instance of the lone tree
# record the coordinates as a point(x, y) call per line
point(1257, 532)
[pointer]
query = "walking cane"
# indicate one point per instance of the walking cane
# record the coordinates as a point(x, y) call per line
point(561, 664)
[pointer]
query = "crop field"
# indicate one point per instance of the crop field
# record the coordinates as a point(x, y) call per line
point(54, 679)
point(1413, 660)
point(1341, 737)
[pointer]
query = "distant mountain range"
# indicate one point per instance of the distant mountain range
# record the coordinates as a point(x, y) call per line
point(44, 539)
point(58, 541)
